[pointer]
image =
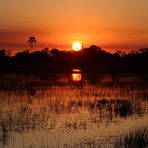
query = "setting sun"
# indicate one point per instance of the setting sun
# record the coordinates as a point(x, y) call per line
point(76, 46)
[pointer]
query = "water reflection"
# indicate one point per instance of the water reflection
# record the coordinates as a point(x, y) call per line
point(76, 77)
point(76, 70)
point(57, 113)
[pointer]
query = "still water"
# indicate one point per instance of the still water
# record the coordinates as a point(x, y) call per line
point(72, 110)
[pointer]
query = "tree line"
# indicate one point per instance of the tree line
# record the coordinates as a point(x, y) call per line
point(87, 59)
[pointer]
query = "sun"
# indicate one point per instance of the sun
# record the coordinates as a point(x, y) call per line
point(77, 46)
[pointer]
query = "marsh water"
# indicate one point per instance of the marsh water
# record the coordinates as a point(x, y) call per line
point(71, 110)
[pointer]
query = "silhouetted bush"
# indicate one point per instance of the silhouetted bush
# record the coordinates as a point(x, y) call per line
point(87, 59)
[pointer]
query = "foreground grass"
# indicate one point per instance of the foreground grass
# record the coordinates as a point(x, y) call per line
point(134, 139)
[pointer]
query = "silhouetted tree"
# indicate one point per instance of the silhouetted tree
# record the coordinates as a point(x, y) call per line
point(45, 50)
point(119, 53)
point(54, 51)
point(2, 53)
point(31, 42)
point(143, 50)
point(87, 59)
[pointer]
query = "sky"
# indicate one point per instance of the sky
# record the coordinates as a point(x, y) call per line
point(111, 24)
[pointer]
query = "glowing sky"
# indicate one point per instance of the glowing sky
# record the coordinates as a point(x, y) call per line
point(111, 24)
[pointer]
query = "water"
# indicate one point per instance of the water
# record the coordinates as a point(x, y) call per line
point(72, 110)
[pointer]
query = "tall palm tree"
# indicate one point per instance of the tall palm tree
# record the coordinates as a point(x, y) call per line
point(31, 42)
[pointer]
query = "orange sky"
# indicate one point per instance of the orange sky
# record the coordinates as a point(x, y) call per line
point(111, 24)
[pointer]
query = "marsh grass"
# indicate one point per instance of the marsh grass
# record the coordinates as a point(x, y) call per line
point(134, 139)
point(61, 106)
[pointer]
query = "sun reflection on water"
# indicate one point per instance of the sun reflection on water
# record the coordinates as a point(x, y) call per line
point(76, 75)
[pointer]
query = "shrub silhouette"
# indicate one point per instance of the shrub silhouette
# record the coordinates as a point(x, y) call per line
point(88, 59)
